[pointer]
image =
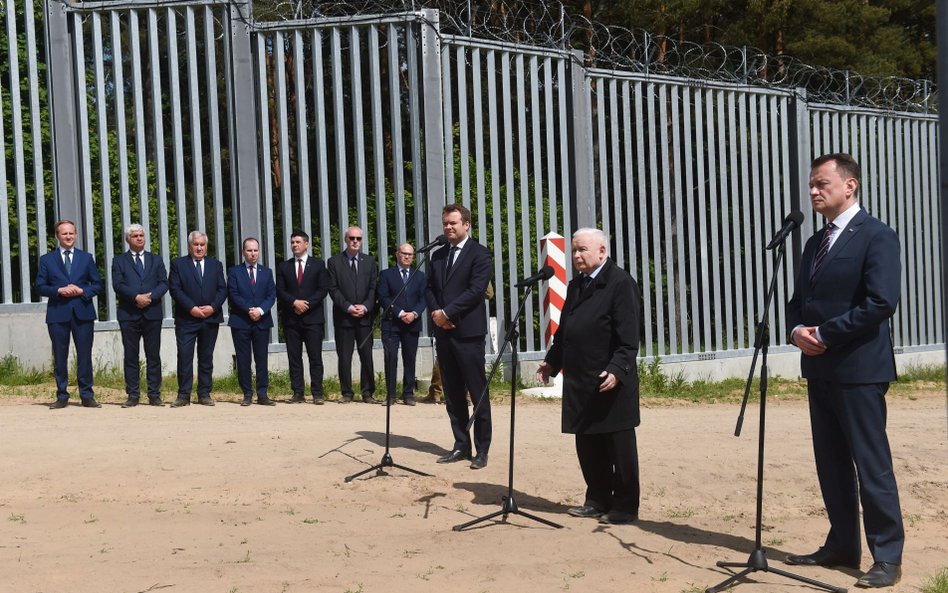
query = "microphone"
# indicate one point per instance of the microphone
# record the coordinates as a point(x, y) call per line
point(441, 240)
point(790, 224)
point(545, 273)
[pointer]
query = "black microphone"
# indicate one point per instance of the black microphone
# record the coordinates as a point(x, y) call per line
point(545, 273)
point(790, 224)
point(439, 241)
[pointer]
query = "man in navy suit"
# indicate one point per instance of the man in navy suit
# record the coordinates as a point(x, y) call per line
point(139, 280)
point(401, 321)
point(252, 296)
point(847, 288)
point(196, 283)
point(457, 283)
point(353, 277)
point(69, 279)
point(302, 286)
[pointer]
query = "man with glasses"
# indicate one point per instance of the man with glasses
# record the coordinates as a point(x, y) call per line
point(402, 301)
point(353, 276)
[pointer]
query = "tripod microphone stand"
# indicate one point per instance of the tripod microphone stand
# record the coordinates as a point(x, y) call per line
point(757, 562)
point(509, 505)
point(387, 460)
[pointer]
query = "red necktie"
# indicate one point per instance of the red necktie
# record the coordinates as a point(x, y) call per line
point(299, 271)
point(253, 279)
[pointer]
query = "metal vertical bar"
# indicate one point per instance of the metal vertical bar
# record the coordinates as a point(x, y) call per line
point(759, 195)
point(654, 151)
point(448, 132)
point(36, 130)
point(749, 249)
point(63, 98)
point(244, 163)
point(600, 145)
point(437, 135)
point(157, 121)
point(266, 162)
point(339, 131)
point(567, 192)
point(680, 237)
point(690, 263)
point(706, 343)
point(735, 224)
point(582, 190)
point(322, 147)
point(925, 240)
point(526, 239)
point(230, 53)
point(398, 160)
point(105, 188)
point(87, 227)
point(663, 155)
point(118, 76)
point(783, 181)
point(718, 329)
point(914, 221)
point(283, 134)
point(937, 239)
point(435, 142)
point(496, 237)
point(616, 167)
point(506, 198)
point(378, 148)
point(6, 276)
point(302, 149)
point(214, 132)
point(141, 151)
point(549, 119)
point(898, 198)
point(16, 110)
point(645, 280)
point(358, 134)
point(464, 155)
point(177, 134)
point(630, 198)
point(479, 132)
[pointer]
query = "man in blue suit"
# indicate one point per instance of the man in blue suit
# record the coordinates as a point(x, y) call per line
point(847, 288)
point(69, 279)
point(401, 320)
point(140, 281)
point(457, 283)
point(252, 296)
point(196, 283)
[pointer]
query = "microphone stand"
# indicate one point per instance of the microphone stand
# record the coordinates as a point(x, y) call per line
point(387, 460)
point(757, 562)
point(509, 505)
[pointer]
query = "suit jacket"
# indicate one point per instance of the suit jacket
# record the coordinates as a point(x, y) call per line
point(313, 289)
point(599, 331)
point(346, 289)
point(850, 299)
point(128, 284)
point(188, 290)
point(460, 295)
point(52, 276)
point(243, 296)
point(412, 299)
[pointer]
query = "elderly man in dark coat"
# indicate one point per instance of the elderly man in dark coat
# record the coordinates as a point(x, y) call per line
point(595, 347)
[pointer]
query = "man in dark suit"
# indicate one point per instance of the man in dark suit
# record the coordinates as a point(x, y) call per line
point(401, 321)
point(140, 281)
point(252, 296)
point(197, 285)
point(457, 283)
point(846, 289)
point(595, 347)
point(353, 277)
point(68, 277)
point(302, 286)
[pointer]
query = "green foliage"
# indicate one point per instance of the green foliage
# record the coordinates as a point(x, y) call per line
point(934, 373)
point(12, 372)
point(937, 583)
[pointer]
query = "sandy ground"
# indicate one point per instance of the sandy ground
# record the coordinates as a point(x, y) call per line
point(253, 500)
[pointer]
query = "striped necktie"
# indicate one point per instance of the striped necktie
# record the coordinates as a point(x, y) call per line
point(824, 248)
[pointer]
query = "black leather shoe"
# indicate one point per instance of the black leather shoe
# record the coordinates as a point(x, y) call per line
point(297, 399)
point(345, 400)
point(454, 456)
point(480, 461)
point(266, 402)
point(388, 401)
point(367, 399)
point(206, 401)
point(585, 512)
point(882, 574)
point(318, 400)
point(823, 557)
point(90, 403)
point(246, 401)
point(59, 404)
point(408, 401)
point(619, 518)
point(155, 401)
point(179, 403)
point(130, 403)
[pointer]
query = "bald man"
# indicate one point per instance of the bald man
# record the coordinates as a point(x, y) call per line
point(402, 302)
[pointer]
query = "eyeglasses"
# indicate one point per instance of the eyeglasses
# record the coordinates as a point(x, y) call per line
point(354, 238)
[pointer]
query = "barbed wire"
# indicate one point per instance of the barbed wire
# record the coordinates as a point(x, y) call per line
point(549, 24)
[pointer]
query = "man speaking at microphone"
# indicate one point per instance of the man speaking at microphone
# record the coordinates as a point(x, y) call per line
point(595, 346)
point(846, 289)
point(457, 282)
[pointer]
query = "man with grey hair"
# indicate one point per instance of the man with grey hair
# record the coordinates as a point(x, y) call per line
point(595, 346)
point(197, 285)
point(140, 281)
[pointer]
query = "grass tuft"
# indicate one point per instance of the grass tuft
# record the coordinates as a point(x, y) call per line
point(937, 583)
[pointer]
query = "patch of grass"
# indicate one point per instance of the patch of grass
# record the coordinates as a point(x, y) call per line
point(774, 541)
point(930, 373)
point(681, 513)
point(662, 577)
point(310, 520)
point(17, 517)
point(937, 583)
point(91, 519)
point(358, 589)
point(12, 372)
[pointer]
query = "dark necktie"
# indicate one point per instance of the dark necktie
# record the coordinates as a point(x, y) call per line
point(823, 249)
point(199, 270)
point(299, 272)
point(450, 262)
point(354, 266)
point(587, 280)
point(139, 265)
point(68, 261)
point(404, 276)
point(253, 279)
